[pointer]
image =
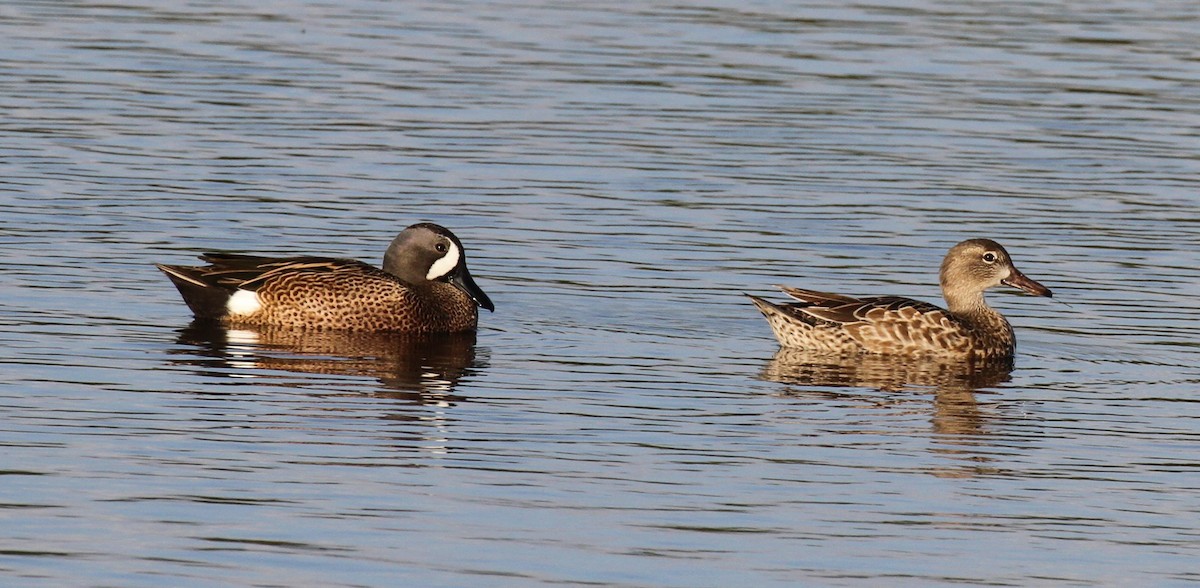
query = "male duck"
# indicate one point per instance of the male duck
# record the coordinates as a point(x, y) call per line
point(895, 325)
point(424, 287)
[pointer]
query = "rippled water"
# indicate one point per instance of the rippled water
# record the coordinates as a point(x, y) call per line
point(620, 174)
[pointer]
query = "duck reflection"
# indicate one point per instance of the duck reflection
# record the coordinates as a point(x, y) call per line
point(420, 368)
point(954, 382)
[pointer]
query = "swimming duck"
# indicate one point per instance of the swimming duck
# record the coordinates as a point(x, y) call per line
point(424, 287)
point(822, 321)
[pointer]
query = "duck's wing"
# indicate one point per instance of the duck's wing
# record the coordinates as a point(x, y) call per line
point(880, 323)
point(846, 310)
point(250, 272)
point(234, 271)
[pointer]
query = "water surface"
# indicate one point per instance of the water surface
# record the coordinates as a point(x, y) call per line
point(619, 176)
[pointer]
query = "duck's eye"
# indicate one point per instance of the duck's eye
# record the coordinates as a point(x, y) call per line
point(989, 257)
point(441, 247)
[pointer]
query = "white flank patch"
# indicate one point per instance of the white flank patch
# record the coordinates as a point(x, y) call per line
point(243, 302)
point(443, 266)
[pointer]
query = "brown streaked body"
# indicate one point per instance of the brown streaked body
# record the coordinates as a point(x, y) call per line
point(968, 327)
point(424, 287)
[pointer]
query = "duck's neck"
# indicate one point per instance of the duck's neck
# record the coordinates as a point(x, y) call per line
point(990, 327)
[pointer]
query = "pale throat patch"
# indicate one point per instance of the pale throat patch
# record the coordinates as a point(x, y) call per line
point(243, 302)
point(445, 264)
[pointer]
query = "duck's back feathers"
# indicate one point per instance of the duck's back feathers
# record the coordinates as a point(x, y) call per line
point(249, 272)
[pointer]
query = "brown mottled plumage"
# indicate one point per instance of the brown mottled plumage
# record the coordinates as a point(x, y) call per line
point(895, 325)
point(424, 287)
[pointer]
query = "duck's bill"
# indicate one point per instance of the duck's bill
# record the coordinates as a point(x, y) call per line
point(1018, 280)
point(466, 283)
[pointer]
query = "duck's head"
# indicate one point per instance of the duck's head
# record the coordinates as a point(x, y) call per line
point(978, 264)
point(426, 252)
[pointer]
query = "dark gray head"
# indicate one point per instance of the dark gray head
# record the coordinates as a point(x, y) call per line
point(426, 252)
point(978, 264)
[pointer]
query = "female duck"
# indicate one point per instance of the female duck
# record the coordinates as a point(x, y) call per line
point(893, 325)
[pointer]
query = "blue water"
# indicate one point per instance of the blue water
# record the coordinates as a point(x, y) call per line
point(619, 175)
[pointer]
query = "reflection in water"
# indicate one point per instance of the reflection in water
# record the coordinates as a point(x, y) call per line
point(420, 368)
point(956, 412)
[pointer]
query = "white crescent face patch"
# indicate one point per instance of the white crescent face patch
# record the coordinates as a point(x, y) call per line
point(445, 264)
